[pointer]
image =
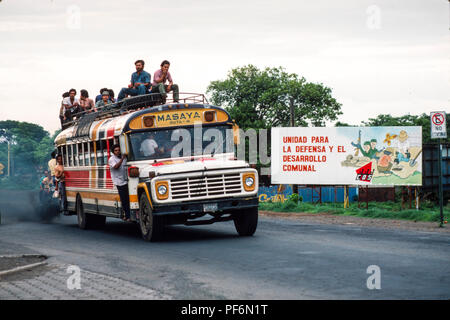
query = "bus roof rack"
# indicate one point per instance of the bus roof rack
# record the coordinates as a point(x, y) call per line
point(85, 119)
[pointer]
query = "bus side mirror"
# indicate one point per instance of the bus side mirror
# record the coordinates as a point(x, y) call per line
point(123, 142)
point(236, 135)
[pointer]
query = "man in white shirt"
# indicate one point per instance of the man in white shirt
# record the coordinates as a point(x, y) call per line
point(71, 105)
point(119, 176)
point(149, 146)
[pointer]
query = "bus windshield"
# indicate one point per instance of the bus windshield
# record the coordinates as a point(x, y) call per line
point(181, 142)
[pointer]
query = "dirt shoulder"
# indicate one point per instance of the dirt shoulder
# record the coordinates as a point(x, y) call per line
point(327, 218)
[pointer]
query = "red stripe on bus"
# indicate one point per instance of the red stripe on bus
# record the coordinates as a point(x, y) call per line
point(111, 129)
point(77, 174)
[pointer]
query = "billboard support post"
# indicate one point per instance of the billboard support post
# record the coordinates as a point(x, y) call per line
point(367, 197)
point(359, 197)
point(410, 197)
point(346, 197)
point(416, 194)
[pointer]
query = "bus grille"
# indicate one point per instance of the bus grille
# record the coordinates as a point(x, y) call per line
point(214, 185)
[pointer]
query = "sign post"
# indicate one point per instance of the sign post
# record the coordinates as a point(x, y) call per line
point(438, 125)
point(439, 131)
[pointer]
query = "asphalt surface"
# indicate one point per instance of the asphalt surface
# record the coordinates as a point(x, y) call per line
point(285, 259)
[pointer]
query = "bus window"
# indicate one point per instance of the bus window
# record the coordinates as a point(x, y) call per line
point(100, 153)
point(105, 152)
point(65, 159)
point(92, 153)
point(86, 153)
point(75, 155)
point(80, 155)
point(111, 143)
point(69, 155)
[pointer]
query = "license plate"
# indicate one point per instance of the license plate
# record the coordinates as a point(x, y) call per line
point(210, 207)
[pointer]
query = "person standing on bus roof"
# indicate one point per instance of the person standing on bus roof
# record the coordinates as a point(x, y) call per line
point(160, 78)
point(117, 164)
point(61, 186)
point(140, 82)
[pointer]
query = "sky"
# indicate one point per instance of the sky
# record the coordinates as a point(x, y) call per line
point(378, 57)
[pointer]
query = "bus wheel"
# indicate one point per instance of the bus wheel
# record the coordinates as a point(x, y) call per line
point(151, 226)
point(246, 221)
point(81, 215)
point(86, 220)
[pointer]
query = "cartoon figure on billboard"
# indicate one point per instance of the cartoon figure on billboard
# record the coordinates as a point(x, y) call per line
point(403, 153)
point(385, 163)
point(396, 162)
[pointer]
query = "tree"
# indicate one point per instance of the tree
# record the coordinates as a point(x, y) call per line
point(262, 98)
point(31, 146)
point(342, 124)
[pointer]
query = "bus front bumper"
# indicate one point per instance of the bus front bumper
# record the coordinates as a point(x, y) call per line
point(216, 206)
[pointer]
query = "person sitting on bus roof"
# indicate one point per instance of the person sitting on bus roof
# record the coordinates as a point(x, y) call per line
point(111, 95)
point(99, 97)
point(105, 100)
point(86, 103)
point(62, 109)
point(160, 78)
point(140, 82)
point(71, 105)
point(149, 146)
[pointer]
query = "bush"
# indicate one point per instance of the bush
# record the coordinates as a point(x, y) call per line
point(294, 198)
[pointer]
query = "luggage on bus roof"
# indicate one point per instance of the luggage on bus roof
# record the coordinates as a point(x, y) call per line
point(84, 124)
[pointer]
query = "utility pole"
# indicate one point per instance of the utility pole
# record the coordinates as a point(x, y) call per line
point(292, 122)
point(9, 159)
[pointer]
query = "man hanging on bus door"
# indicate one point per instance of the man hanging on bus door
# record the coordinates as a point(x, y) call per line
point(119, 176)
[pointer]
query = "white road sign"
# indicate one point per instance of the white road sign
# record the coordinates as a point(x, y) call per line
point(438, 125)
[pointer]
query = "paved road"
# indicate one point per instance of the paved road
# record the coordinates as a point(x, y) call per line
point(284, 260)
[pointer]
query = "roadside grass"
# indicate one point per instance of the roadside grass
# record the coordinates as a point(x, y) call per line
point(386, 210)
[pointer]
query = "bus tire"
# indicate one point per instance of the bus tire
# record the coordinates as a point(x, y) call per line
point(246, 221)
point(151, 226)
point(86, 220)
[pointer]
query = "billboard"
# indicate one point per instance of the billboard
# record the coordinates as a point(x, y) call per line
point(347, 156)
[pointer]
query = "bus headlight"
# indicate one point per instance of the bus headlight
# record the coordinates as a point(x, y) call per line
point(248, 180)
point(162, 190)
